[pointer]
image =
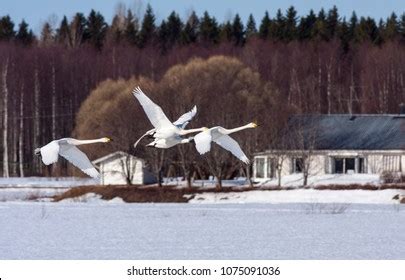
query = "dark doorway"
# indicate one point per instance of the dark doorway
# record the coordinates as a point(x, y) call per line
point(338, 165)
point(350, 165)
point(299, 165)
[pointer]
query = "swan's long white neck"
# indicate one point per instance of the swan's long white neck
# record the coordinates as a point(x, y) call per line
point(236, 129)
point(84, 142)
point(188, 131)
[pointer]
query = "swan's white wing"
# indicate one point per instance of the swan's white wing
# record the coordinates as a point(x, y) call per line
point(153, 111)
point(186, 118)
point(78, 159)
point(228, 143)
point(203, 142)
point(50, 153)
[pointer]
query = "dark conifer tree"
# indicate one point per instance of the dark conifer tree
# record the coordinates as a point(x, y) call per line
point(344, 36)
point(353, 26)
point(238, 33)
point(130, 29)
point(290, 25)
point(209, 30)
point(251, 27)
point(265, 26)
point(163, 36)
point(277, 27)
point(63, 33)
point(380, 33)
point(96, 29)
point(332, 22)
point(226, 32)
point(174, 28)
point(392, 27)
point(148, 29)
point(191, 30)
point(7, 32)
point(24, 36)
point(402, 27)
point(366, 30)
point(320, 31)
point(306, 26)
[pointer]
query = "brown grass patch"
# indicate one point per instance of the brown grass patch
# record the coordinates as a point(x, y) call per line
point(127, 193)
point(141, 194)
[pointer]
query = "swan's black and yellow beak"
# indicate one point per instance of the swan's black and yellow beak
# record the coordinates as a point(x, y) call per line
point(254, 124)
point(108, 139)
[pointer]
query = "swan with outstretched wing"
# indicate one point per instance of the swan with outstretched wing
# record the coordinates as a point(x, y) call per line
point(221, 136)
point(66, 147)
point(164, 130)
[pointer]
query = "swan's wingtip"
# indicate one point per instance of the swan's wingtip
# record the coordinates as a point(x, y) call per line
point(136, 90)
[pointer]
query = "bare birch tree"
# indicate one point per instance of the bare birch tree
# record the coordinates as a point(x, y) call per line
point(21, 133)
point(4, 77)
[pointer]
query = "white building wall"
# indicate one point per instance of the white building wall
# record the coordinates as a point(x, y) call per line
point(114, 172)
point(317, 165)
point(375, 162)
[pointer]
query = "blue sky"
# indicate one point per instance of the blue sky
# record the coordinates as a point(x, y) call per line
point(36, 12)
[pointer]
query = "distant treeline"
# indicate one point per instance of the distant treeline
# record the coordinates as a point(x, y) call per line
point(319, 63)
point(127, 28)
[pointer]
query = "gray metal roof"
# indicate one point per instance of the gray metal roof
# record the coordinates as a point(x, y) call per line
point(348, 132)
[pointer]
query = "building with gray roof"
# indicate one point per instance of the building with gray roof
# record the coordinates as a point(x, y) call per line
point(336, 143)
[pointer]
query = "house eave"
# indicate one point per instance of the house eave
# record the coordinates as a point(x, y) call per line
point(322, 152)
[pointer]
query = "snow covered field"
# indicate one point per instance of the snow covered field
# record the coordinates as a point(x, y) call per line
point(29, 188)
point(296, 180)
point(301, 196)
point(46, 182)
point(32, 230)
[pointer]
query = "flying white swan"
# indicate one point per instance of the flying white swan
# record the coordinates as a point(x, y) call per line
point(163, 127)
point(66, 147)
point(181, 122)
point(220, 136)
point(165, 143)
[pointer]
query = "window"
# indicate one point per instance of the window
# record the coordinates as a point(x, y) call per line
point(259, 167)
point(350, 165)
point(342, 165)
point(271, 167)
point(338, 164)
point(362, 166)
point(298, 165)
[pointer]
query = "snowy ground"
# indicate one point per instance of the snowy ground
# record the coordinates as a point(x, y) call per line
point(41, 189)
point(32, 230)
point(293, 180)
point(30, 188)
point(301, 196)
point(296, 180)
point(46, 182)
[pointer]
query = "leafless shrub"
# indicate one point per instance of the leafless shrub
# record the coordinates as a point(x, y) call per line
point(389, 177)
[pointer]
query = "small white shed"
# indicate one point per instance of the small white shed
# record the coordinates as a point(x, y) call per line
point(121, 168)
